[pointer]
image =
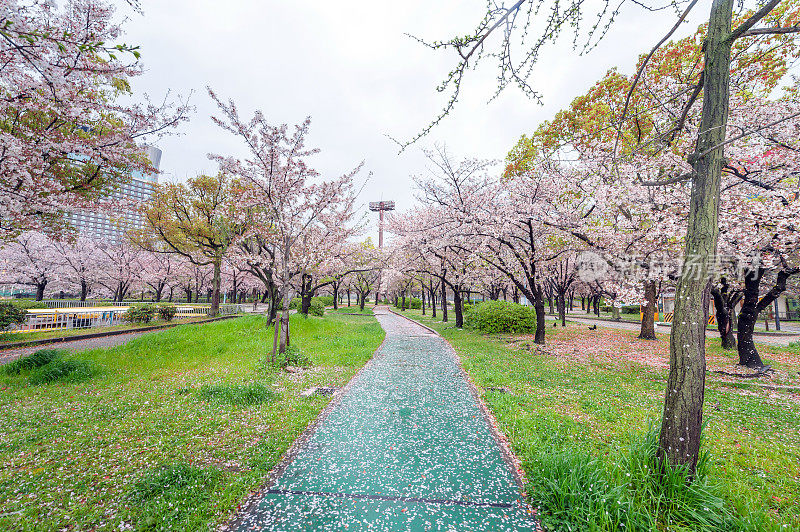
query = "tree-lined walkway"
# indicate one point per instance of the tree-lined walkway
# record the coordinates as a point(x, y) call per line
point(407, 448)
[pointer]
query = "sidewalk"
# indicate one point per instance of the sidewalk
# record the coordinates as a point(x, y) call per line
point(406, 448)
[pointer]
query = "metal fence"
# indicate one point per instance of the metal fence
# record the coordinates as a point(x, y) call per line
point(92, 317)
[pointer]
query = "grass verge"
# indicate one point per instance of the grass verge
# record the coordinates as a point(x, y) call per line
point(172, 432)
point(579, 415)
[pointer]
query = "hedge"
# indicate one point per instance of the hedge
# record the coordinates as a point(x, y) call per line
point(501, 317)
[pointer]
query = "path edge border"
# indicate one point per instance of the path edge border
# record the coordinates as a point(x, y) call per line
point(511, 459)
point(89, 336)
point(252, 499)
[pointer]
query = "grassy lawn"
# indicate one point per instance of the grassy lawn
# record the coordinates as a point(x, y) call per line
point(579, 412)
point(169, 431)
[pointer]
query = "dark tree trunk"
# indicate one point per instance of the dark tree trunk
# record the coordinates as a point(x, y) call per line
point(305, 294)
point(335, 296)
point(40, 290)
point(348, 297)
point(422, 298)
point(752, 306)
point(444, 300)
point(432, 294)
point(362, 300)
point(722, 306)
point(457, 307)
point(538, 305)
point(648, 329)
point(84, 289)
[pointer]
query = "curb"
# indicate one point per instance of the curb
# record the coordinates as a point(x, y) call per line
point(89, 336)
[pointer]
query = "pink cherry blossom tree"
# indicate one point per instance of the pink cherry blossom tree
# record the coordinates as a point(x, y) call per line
point(66, 139)
point(288, 194)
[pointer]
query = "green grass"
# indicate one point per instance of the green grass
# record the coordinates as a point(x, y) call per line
point(580, 426)
point(174, 430)
point(10, 337)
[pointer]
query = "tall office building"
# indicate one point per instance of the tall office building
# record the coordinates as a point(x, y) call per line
point(97, 224)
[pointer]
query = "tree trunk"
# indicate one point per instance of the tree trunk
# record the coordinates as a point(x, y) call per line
point(538, 306)
point(362, 300)
point(335, 296)
point(444, 301)
point(84, 289)
point(615, 315)
point(724, 324)
point(648, 328)
point(432, 294)
point(217, 282)
point(40, 290)
point(681, 424)
point(457, 307)
point(748, 354)
point(422, 298)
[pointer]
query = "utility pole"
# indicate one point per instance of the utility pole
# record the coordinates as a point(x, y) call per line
point(380, 207)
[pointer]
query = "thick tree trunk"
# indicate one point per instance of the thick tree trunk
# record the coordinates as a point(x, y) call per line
point(40, 290)
point(538, 306)
point(748, 354)
point(615, 315)
point(432, 294)
point(335, 296)
point(648, 328)
point(752, 306)
point(84, 289)
point(681, 424)
point(362, 300)
point(562, 309)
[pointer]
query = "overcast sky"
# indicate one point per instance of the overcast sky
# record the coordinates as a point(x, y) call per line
point(350, 66)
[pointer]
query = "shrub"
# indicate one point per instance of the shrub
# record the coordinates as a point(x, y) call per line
point(166, 311)
point(139, 314)
point(411, 302)
point(11, 314)
point(630, 309)
point(501, 317)
point(326, 301)
point(294, 304)
point(40, 358)
point(26, 304)
point(317, 308)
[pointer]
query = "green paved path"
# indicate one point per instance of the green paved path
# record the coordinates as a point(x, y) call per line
point(407, 448)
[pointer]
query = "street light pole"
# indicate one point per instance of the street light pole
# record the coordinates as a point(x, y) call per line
point(380, 207)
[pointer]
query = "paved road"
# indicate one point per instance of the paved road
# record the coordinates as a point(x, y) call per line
point(8, 355)
point(630, 326)
point(407, 448)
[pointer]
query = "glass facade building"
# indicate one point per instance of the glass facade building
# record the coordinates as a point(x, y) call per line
point(112, 227)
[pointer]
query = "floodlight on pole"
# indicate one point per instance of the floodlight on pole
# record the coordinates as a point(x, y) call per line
point(380, 207)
